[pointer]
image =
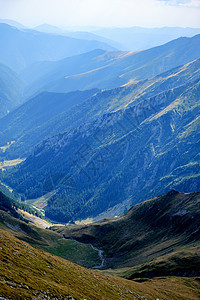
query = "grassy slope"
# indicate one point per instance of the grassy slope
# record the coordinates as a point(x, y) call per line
point(26, 272)
point(183, 261)
point(163, 228)
point(134, 66)
point(49, 241)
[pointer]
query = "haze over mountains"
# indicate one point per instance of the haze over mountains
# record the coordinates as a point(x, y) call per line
point(108, 70)
point(137, 38)
point(21, 47)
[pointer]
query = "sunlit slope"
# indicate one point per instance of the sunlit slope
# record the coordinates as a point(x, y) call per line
point(132, 66)
point(49, 241)
point(27, 272)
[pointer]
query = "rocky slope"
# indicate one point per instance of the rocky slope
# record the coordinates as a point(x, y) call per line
point(128, 155)
point(49, 113)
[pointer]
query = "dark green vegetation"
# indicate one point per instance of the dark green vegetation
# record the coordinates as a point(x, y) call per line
point(22, 47)
point(26, 272)
point(145, 143)
point(9, 205)
point(6, 204)
point(159, 237)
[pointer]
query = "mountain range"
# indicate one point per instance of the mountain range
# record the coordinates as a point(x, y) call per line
point(137, 38)
point(22, 47)
point(106, 101)
point(99, 163)
point(105, 70)
point(101, 155)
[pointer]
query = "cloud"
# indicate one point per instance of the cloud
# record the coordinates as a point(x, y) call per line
point(186, 3)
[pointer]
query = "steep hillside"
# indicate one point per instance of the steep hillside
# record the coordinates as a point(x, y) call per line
point(46, 239)
point(121, 158)
point(27, 273)
point(159, 237)
point(40, 74)
point(37, 119)
point(132, 67)
point(27, 224)
point(11, 90)
point(49, 120)
point(21, 47)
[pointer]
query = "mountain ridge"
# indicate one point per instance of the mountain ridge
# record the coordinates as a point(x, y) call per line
point(165, 130)
point(149, 231)
point(125, 67)
point(18, 44)
point(106, 101)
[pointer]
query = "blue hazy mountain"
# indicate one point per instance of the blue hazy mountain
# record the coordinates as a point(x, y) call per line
point(39, 118)
point(137, 38)
point(111, 69)
point(11, 90)
point(85, 35)
point(40, 75)
point(12, 23)
point(21, 47)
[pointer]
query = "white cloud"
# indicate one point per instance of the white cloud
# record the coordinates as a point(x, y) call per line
point(187, 3)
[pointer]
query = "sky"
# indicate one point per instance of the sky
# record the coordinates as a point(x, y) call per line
point(103, 13)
